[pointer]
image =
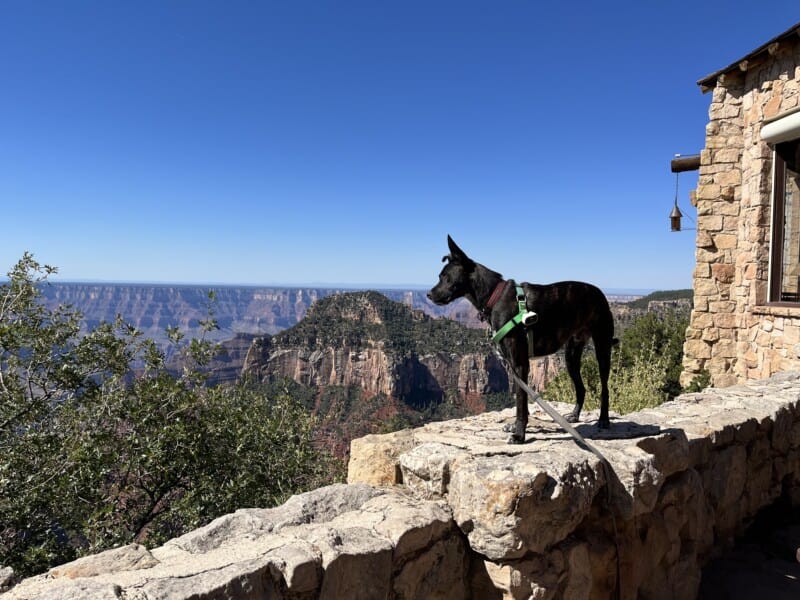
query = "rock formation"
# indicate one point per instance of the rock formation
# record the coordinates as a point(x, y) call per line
point(366, 341)
point(243, 309)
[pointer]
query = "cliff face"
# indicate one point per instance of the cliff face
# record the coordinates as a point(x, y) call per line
point(416, 380)
point(371, 364)
point(364, 340)
point(152, 307)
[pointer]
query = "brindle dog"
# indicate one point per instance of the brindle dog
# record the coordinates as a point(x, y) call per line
point(569, 313)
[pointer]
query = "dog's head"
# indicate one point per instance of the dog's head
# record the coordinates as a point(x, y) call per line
point(454, 280)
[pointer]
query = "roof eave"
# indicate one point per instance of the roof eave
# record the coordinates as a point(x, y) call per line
point(708, 82)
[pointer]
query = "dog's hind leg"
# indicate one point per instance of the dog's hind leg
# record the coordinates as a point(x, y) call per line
point(573, 353)
point(603, 353)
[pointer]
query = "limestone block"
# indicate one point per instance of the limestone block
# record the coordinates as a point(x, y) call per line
point(410, 525)
point(687, 512)
point(426, 468)
point(40, 588)
point(708, 192)
point(440, 573)
point(707, 253)
point(781, 434)
point(724, 273)
point(731, 177)
point(791, 334)
point(374, 458)
point(726, 320)
point(357, 563)
point(703, 320)
point(724, 348)
point(692, 333)
point(532, 578)
point(722, 306)
point(320, 505)
point(760, 490)
point(728, 155)
point(509, 507)
point(725, 241)
point(725, 478)
point(705, 287)
point(669, 450)
point(126, 558)
point(710, 223)
point(578, 584)
point(697, 349)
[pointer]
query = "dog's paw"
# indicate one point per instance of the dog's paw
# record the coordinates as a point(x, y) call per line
point(604, 424)
point(515, 439)
point(572, 417)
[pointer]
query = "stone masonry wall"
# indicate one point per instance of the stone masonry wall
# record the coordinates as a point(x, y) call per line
point(451, 511)
point(733, 334)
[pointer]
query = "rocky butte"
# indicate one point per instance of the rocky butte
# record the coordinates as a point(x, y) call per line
point(365, 340)
point(370, 361)
point(451, 511)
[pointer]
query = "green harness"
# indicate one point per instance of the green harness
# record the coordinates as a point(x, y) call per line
point(524, 316)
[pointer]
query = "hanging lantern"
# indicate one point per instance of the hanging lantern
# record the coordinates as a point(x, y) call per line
point(675, 218)
point(678, 165)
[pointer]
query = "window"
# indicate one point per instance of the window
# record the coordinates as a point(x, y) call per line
point(785, 267)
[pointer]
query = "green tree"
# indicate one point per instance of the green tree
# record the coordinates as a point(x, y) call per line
point(645, 368)
point(100, 445)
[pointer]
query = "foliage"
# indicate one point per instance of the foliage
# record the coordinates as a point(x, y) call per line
point(93, 454)
point(700, 382)
point(645, 369)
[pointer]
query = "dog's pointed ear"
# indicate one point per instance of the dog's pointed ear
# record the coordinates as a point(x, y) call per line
point(456, 253)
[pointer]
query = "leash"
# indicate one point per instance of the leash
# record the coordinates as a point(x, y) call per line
point(608, 470)
point(557, 417)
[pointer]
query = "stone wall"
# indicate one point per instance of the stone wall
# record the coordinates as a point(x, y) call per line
point(733, 334)
point(451, 511)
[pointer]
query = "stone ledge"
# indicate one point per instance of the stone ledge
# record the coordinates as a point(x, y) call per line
point(340, 541)
point(777, 310)
point(688, 476)
point(470, 516)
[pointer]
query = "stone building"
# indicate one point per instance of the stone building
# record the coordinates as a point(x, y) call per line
point(746, 318)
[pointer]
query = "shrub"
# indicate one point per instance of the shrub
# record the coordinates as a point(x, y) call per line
point(644, 369)
point(101, 446)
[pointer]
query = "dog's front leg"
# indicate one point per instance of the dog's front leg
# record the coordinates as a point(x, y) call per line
point(521, 422)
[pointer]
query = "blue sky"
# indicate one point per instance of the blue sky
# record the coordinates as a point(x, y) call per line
point(339, 142)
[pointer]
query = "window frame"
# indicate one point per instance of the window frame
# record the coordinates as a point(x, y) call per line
point(778, 229)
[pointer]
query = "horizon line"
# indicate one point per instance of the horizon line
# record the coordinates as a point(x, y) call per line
point(312, 285)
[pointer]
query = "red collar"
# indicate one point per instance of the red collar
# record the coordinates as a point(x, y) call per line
point(496, 294)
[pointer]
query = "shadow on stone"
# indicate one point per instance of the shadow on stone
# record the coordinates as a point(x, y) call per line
point(620, 430)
